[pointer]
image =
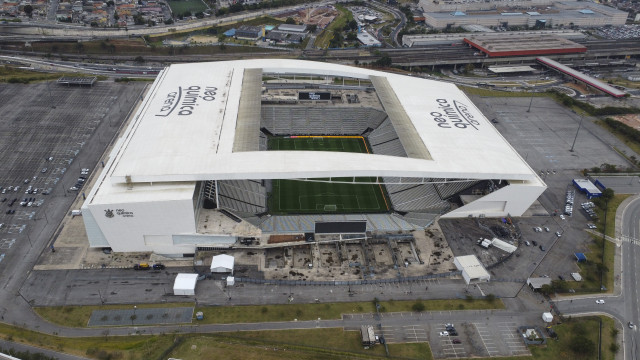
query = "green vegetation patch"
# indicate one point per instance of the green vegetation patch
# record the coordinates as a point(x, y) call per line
point(102, 347)
point(78, 316)
point(309, 197)
point(323, 40)
point(15, 75)
point(497, 93)
point(182, 7)
point(578, 339)
point(628, 135)
point(292, 344)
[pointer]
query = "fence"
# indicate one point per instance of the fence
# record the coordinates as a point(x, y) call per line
point(349, 282)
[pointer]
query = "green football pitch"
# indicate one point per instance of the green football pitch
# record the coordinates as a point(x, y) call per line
point(317, 197)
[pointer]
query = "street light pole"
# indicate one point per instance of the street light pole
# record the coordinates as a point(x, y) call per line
point(576, 138)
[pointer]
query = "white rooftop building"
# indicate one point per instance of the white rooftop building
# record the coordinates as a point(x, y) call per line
point(200, 137)
point(222, 264)
point(472, 269)
point(185, 284)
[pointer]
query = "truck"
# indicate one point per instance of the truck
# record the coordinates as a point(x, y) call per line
point(141, 266)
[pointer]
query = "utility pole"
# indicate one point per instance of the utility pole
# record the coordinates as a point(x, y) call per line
point(576, 138)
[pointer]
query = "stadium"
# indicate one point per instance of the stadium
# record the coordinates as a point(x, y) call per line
point(292, 147)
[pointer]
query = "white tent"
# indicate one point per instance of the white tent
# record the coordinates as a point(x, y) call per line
point(547, 317)
point(231, 281)
point(185, 284)
point(472, 269)
point(222, 264)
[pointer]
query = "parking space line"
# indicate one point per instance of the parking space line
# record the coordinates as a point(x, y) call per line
point(487, 340)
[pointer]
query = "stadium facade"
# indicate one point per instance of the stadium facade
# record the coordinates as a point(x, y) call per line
point(199, 143)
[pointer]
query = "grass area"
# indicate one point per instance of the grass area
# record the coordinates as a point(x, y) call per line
point(322, 41)
point(627, 140)
point(292, 344)
point(12, 74)
point(590, 270)
point(292, 196)
point(301, 344)
point(577, 328)
point(221, 28)
point(128, 79)
point(78, 316)
point(135, 47)
point(289, 312)
point(496, 93)
point(180, 7)
point(103, 347)
point(612, 206)
point(286, 344)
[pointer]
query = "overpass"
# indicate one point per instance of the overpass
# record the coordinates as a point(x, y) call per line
point(588, 80)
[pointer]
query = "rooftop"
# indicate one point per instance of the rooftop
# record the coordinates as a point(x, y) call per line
point(190, 101)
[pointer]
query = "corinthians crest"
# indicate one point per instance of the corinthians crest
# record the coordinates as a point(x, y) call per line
point(108, 213)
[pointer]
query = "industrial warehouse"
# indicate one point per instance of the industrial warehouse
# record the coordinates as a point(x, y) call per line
point(297, 148)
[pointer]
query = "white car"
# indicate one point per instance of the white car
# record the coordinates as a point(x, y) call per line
point(600, 301)
point(444, 333)
point(562, 217)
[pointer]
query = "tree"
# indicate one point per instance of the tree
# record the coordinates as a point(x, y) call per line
point(138, 20)
point(139, 59)
point(608, 194)
point(290, 20)
point(559, 285)
point(312, 28)
point(110, 3)
point(614, 348)
point(582, 345)
point(28, 9)
point(418, 306)
point(468, 69)
point(384, 61)
point(116, 17)
point(546, 289)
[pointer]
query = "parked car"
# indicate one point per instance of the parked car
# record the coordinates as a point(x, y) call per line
point(456, 341)
point(158, 267)
point(444, 333)
point(600, 301)
point(141, 266)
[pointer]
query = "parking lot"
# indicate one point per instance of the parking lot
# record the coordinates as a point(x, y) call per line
point(49, 133)
point(493, 338)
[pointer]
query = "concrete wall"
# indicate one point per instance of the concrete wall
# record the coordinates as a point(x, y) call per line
point(512, 200)
point(145, 226)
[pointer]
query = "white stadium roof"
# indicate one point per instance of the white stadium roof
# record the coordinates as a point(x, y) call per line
point(185, 131)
